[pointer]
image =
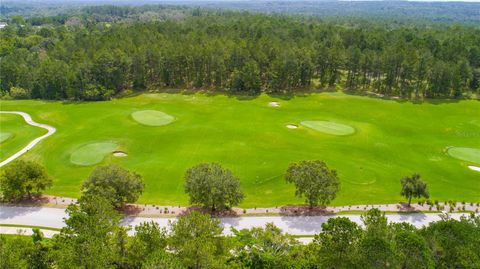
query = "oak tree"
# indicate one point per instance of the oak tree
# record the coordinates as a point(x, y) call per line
point(314, 181)
point(213, 186)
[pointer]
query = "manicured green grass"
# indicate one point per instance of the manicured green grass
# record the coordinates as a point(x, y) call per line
point(152, 117)
point(93, 153)
point(329, 127)
point(392, 139)
point(29, 226)
point(465, 154)
point(15, 133)
point(4, 136)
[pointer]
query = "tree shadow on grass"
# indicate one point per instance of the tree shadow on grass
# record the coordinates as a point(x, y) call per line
point(286, 95)
point(131, 210)
point(35, 200)
point(294, 94)
point(403, 100)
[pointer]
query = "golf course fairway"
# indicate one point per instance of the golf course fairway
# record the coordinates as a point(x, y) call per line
point(390, 140)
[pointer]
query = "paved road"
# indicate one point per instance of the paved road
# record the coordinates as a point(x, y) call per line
point(301, 225)
point(51, 130)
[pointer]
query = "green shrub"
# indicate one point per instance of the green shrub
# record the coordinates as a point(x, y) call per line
point(96, 93)
point(19, 93)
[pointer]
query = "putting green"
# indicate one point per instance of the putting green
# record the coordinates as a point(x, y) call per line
point(4, 136)
point(329, 127)
point(93, 153)
point(152, 117)
point(465, 154)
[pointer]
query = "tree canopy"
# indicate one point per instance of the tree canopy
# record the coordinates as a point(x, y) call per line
point(266, 247)
point(338, 242)
point(314, 181)
point(101, 52)
point(212, 186)
point(22, 179)
point(197, 239)
point(93, 238)
point(89, 238)
point(117, 184)
point(414, 187)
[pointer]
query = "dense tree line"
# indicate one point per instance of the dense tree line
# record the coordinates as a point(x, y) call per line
point(94, 238)
point(401, 12)
point(239, 53)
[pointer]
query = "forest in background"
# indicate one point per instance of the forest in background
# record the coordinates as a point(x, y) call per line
point(402, 12)
point(103, 51)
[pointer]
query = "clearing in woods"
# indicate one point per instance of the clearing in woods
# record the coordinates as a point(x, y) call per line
point(386, 141)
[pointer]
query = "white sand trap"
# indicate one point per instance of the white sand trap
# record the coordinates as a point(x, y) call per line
point(474, 168)
point(292, 126)
point(274, 104)
point(120, 154)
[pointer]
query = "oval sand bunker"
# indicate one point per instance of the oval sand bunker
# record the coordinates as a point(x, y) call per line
point(152, 117)
point(329, 127)
point(120, 154)
point(465, 154)
point(292, 126)
point(474, 168)
point(274, 104)
point(92, 153)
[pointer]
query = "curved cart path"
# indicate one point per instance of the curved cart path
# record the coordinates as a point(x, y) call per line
point(28, 119)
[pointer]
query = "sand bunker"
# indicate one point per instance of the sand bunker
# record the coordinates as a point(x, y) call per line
point(4, 136)
point(292, 126)
point(465, 154)
point(329, 127)
point(92, 153)
point(152, 117)
point(274, 104)
point(120, 154)
point(474, 168)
